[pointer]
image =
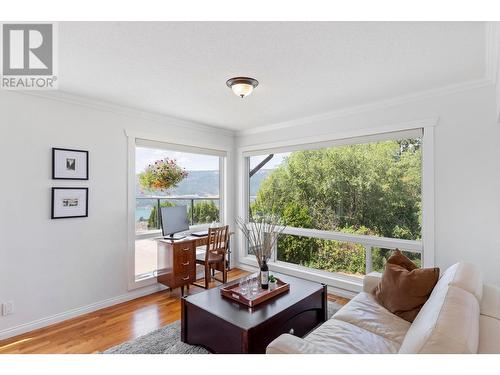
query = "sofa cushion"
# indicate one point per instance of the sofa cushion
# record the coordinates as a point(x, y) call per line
point(398, 258)
point(404, 288)
point(370, 281)
point(337, 336)
point(363, 311)
point(447, 323)
point(490, 303)
point(489, 342)
point(465, 276)
point(290, 344)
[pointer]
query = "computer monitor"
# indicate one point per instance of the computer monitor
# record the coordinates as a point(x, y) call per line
point(174, 220)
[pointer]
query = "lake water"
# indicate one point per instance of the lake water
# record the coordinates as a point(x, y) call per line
point(143, 212)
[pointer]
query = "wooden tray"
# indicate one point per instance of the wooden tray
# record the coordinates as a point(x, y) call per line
point(233, 292)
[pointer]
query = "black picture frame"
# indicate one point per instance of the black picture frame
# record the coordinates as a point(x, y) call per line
point(52, 211)
point(54, 151)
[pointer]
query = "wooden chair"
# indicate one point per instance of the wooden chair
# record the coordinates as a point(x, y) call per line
point(215, 255)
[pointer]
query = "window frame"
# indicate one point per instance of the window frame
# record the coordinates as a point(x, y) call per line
point(162, 142)
point(395, 131)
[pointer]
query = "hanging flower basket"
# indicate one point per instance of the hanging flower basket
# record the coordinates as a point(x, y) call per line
point(162, 175)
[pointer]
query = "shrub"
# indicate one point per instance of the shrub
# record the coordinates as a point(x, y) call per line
point(204, 212)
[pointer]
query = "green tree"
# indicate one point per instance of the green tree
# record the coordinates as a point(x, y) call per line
point(290, 248)
point(366, 189)
point(204, 212)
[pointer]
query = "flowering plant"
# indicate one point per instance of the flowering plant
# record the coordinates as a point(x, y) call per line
point(162, 175)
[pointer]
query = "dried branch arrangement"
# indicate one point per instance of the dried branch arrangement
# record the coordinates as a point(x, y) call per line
point(261, 233)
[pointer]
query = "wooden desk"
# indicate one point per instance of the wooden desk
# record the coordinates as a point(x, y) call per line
point(177, 261)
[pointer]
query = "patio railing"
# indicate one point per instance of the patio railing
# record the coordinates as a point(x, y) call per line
point(368, 242)
point(156, 201)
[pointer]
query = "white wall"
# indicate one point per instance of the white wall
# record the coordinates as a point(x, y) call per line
point(49, 267)
point(467, 176)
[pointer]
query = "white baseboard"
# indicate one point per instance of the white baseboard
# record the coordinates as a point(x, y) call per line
point(57, 318)
point(44, 322)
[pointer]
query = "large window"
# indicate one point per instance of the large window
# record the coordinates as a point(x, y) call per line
point(198, 188)
point(342, 204)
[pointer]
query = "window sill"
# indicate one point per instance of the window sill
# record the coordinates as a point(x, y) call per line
point(145, 280)
point(145, 276)
point(147, 234)
point(353, 284)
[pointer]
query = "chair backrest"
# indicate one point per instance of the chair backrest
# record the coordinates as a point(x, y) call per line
point(217, 241)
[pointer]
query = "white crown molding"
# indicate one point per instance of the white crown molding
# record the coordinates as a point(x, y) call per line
point(492, 50)
point(123, 110)
point(43, 322)
point(340, 135)
point(373, 106)
point(343, 112)
point(492, 62)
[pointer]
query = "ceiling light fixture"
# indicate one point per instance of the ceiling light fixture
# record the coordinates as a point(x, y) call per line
point(242, 86)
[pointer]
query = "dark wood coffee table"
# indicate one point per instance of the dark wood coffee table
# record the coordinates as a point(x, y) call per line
point(224, 326)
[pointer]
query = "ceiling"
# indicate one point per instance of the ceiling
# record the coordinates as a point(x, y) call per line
point(304, 68)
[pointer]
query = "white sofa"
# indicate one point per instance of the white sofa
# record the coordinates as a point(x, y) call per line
point(461, 316)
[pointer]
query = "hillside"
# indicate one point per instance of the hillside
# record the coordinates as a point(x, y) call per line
point(204, 184)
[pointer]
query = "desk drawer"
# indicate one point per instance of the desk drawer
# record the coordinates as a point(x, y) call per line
point(186, 277)
point(184, 264)
point(184, 258)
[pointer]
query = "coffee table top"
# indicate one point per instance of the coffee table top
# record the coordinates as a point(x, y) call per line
point(248, 317)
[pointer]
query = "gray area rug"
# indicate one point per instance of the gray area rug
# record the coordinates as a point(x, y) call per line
point(167, 340)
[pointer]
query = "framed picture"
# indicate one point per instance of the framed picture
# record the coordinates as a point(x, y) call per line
point(69, 202)
point(70, 164)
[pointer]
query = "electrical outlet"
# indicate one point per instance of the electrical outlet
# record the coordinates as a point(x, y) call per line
point(7, 308)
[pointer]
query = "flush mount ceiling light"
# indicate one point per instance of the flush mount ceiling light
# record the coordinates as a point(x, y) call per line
point(242, 86)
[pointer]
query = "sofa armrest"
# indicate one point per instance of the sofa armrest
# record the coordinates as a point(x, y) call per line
point(370, 281)
point(289, 344)
point(490, 302)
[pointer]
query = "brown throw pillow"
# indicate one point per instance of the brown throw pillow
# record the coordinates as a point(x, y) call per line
point(404, 288)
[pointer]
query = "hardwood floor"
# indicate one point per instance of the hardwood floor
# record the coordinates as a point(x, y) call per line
point(102, 329)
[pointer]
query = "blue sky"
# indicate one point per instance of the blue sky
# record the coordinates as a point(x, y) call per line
point(271, 164)
point(195, 162)
point(192, 162)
